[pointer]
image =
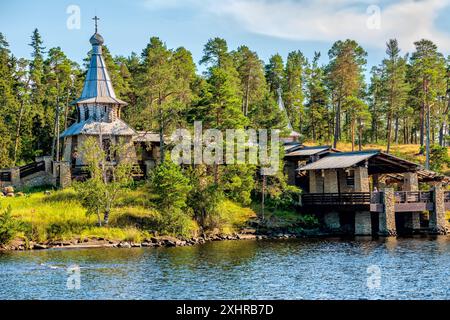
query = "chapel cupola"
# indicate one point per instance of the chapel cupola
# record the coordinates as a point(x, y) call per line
point(98, 108)
point(98, 100)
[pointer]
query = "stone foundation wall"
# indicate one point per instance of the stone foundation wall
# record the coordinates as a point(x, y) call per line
point(332, 221)
point(362, 179)
point(343, 182)
point(363, 223)
point(37, 180)
point(412, 220)
point(330, 181)
point(315, 182)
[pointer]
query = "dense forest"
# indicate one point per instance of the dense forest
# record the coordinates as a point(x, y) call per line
point(407, 93)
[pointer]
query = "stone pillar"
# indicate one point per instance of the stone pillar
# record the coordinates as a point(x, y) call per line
point(48, 163)
point(410, 181)
point(332, 221)
point(149, 165)
point(315, 181)
point(362, 179)
point(290, 169)
point(412, 220)
point(438, 221)
point(15, 177)
point(67, 149)
point(387, 217)
point(65, 175)
point(312, 181)
point(156, 153)
point(330, 184)
point(363, 223)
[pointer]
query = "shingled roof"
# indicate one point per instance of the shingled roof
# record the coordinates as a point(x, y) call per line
point(90, 127)
point(377, 161)
point(97, 85)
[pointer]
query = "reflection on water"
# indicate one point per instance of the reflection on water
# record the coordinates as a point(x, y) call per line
point(414, 268)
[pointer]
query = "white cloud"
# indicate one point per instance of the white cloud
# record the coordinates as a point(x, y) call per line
point(155, 5)
point(330, 20)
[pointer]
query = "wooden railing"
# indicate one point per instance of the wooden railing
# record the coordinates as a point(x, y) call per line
point(369, 197)
point(138, 171)
point(413, 196)
point(32, 168)
point(5, 176)
point(80, 172)
point(336, 198)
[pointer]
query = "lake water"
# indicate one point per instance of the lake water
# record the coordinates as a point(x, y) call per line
point(413, 268)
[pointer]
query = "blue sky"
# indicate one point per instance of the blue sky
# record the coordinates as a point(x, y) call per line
point(266, 26)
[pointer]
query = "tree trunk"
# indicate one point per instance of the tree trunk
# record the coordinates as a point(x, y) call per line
point(388, 132)
point(337, 124)
point(161, 131)
point(247, 97)
point(313, 125)
point(99, 219)
point(422, 120)
point(360, 136)
point(19, 125)
point(106, 217)
point(352, 133)
point(396, 129)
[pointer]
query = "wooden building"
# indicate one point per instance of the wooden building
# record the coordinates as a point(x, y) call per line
point(372, 192)
point(99, 116)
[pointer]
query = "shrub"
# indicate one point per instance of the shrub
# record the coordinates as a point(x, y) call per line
point(231, 216)
point(286, 199)
point(438, 157)
point(9, 226)
point(170, 185)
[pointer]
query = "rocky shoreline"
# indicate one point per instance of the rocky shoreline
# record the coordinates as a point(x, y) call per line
point(160, 241)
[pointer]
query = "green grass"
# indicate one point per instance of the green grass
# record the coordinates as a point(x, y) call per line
point(233, 217)
point(59, 216)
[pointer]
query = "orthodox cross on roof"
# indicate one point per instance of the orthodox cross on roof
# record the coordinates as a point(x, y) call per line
point(96, 20)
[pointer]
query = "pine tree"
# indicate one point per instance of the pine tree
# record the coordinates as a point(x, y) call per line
point(293, 88)
point(428, 72)
point(275, 74)
point(317, 114)
point(8, 104)
point(347, 60)
point(376, 102)
point(251, 74)
point(42, 123)
point(166, 89)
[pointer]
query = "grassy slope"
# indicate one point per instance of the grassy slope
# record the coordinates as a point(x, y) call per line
point(59, 216)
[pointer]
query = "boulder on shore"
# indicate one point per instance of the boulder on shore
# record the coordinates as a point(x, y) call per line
point(9, 189)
